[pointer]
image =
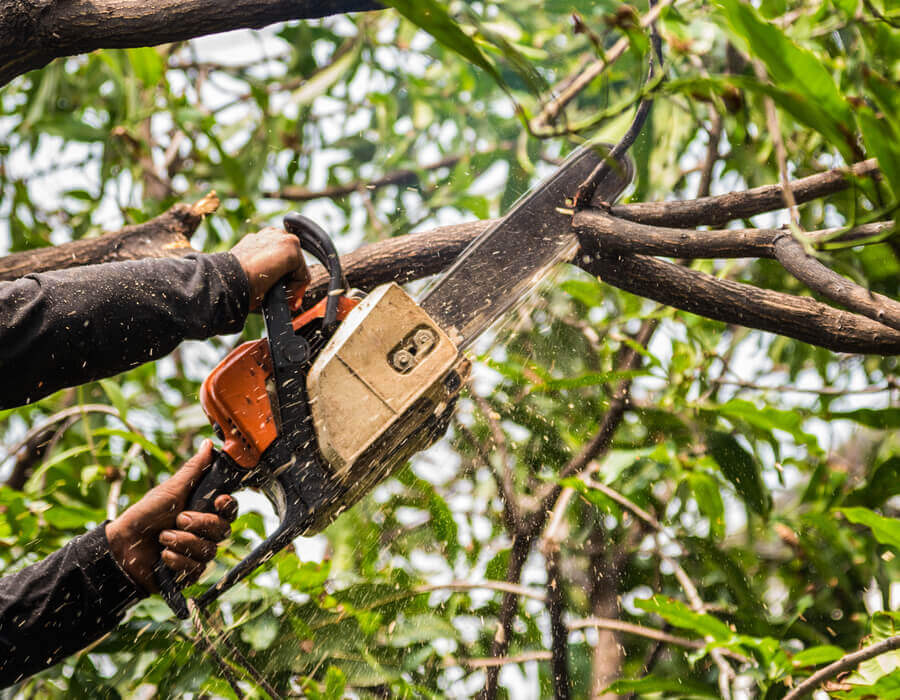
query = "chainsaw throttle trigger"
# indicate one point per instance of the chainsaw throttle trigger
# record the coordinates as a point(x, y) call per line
point(224, 476)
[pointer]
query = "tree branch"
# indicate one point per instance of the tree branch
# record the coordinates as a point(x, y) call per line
point(559, 634)
point(165, 236)
point(627, 237)
point(841, 665)
point(733, 302)
point(713, 211)
point(573, 86)
point(790, 253)
point(34, 33)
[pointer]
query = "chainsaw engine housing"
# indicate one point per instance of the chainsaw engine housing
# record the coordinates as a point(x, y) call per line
point(381, 390)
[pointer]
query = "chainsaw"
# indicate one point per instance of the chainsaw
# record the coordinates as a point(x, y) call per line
point(339, 396)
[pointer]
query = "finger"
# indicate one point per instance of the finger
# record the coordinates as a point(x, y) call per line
point(189, 545)
point(206, 525)
point(186, 570)
point(190, 473)
point(226, 507)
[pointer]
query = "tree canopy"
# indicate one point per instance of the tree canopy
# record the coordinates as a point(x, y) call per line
point(675, 472)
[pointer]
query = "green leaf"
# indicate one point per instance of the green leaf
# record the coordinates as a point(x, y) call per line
point(670, 687)
point(589, 292)
point(443, 525)
point(261, 631)
point(706, 491)
point(430, 16)
point(322, 81)
point(816, 655)
point(72, 518)
point(741, 469)
point(790, 67)
point(116, 397)
point(882, 483)
point(766, 418)
point(335, 682)
point(881, 143)
point(148, 446)
point(147, 64)
point(879, 419)
point(885, 530)
point(680, 615)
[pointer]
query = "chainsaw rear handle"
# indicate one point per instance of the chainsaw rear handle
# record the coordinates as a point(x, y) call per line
point(290, 353)
point(224, 476)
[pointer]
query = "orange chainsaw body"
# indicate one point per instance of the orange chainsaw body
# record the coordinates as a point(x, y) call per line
point(235, 396)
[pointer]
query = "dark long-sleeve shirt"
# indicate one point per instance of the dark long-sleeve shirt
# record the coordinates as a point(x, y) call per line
point(64, 328)
point(67, 327)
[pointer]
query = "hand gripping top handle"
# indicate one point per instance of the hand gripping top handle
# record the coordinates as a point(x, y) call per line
point(290, 470)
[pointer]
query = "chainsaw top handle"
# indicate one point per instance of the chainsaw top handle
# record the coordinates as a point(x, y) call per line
point(314, 240)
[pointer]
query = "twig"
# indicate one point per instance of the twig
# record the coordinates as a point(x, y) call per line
point(199, 616)
point(844, 664)
point(639, 630)
point(585, 192)
point(823, 391)
point(572, 87)
point(712, 152)
point(503, 586)
point(213, 652)
point(780, 151)
point(503, 474)
point(495, 661)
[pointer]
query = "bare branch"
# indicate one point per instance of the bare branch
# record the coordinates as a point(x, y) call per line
point(743, 304)
point(34, 33)
point(713, 211)
point(639, 630)
point(790, 253)
point(559, 634)
point(167, 235)
point(495, 661)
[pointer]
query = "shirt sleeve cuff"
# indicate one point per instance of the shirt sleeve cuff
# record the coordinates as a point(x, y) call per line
point(112, 584)
point(236, 282)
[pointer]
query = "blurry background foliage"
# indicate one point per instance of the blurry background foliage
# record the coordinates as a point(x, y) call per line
point(772, 467)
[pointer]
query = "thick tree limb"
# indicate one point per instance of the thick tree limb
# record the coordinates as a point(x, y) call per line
point(418, 255)
point(816, 276)
point(713, 211)
point(34, 33)
point(802, 318)
point(167, 235)
point(627, 237)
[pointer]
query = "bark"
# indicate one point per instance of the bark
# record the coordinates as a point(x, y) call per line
point(713, 211)
point(613, 249)
point(608, 655)
point(167, 235)
point(33, 33)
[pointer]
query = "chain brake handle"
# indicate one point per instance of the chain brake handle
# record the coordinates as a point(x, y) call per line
point(291, 471)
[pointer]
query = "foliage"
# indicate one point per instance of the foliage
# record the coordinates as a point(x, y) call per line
point(770, 465)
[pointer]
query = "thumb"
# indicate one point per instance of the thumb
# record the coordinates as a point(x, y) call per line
point(191, 471)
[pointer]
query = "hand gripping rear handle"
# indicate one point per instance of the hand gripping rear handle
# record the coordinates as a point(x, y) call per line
point(224, 476)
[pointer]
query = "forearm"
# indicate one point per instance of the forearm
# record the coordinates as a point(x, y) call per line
point(68, 327)
point(54, 608)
